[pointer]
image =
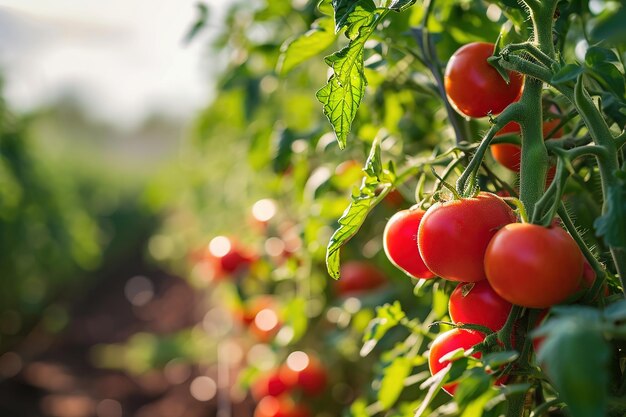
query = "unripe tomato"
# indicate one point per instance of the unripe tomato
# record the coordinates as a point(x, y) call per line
point(509, 155)
point(400, 243)
point(474, 87)
point(305, 372)
point(358, 277)
point(453, 236)
point(533, 266)
point(478, 303)
point(446, 343)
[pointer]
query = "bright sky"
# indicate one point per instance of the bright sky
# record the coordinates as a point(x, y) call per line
point(122, 58)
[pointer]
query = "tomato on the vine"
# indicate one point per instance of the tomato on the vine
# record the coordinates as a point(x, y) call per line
point(478, 303)
point(533, 266)
point(358, 277)
point(400, 243)
point(453, 235)
point(446, 343)
point(474, 87)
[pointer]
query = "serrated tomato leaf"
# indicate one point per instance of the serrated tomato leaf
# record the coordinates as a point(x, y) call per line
point(296, 51)
point(343, 93)
point(353, 15)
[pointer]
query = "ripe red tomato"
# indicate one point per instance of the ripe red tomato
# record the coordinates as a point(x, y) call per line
point(446, 343)
point(269, 384)
point(453, 236)
point(509, 155)
point(478, 303)
point(358, 277)
point(400, 243)
point(311, 379)
point(474, 87)
point(533, 266)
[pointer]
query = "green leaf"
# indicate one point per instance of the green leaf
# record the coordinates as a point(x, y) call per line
point(569, 72)
point(356, 213)
point(374, 165)
point(353, 15)
point(343, 93)
point(400, 5)
point(349, 224)
point(612, 225)
point(474, 383)
point(497, 359)
point(392, 383)
point(387, 317)
point(609, 77)
point(596, 54)
point(575, 356)
point(296, 51)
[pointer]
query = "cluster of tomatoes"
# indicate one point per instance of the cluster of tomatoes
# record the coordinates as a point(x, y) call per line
point(497, 261)
point(301, 372)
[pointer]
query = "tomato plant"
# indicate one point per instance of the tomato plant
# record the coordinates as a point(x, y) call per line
point(474, 87)
point(414, 95)
point(533, 266)
point(400, 243)
point(453, 236)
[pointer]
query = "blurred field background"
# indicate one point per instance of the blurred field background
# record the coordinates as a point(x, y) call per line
point(98, 101)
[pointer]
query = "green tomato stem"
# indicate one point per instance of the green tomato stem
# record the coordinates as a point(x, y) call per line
point(509, 114)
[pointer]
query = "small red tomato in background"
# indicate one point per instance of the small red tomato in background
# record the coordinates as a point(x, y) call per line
point(478, 303)
point(474, 87)
point(358, 277)
point(453, 236)
point(446, 343)
point(280, 407)
point(262, 316)
point(394, 199)
point(227, 257)
point(269, 384)
point(533, 266)
point(400, 243)
point(305, 372)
